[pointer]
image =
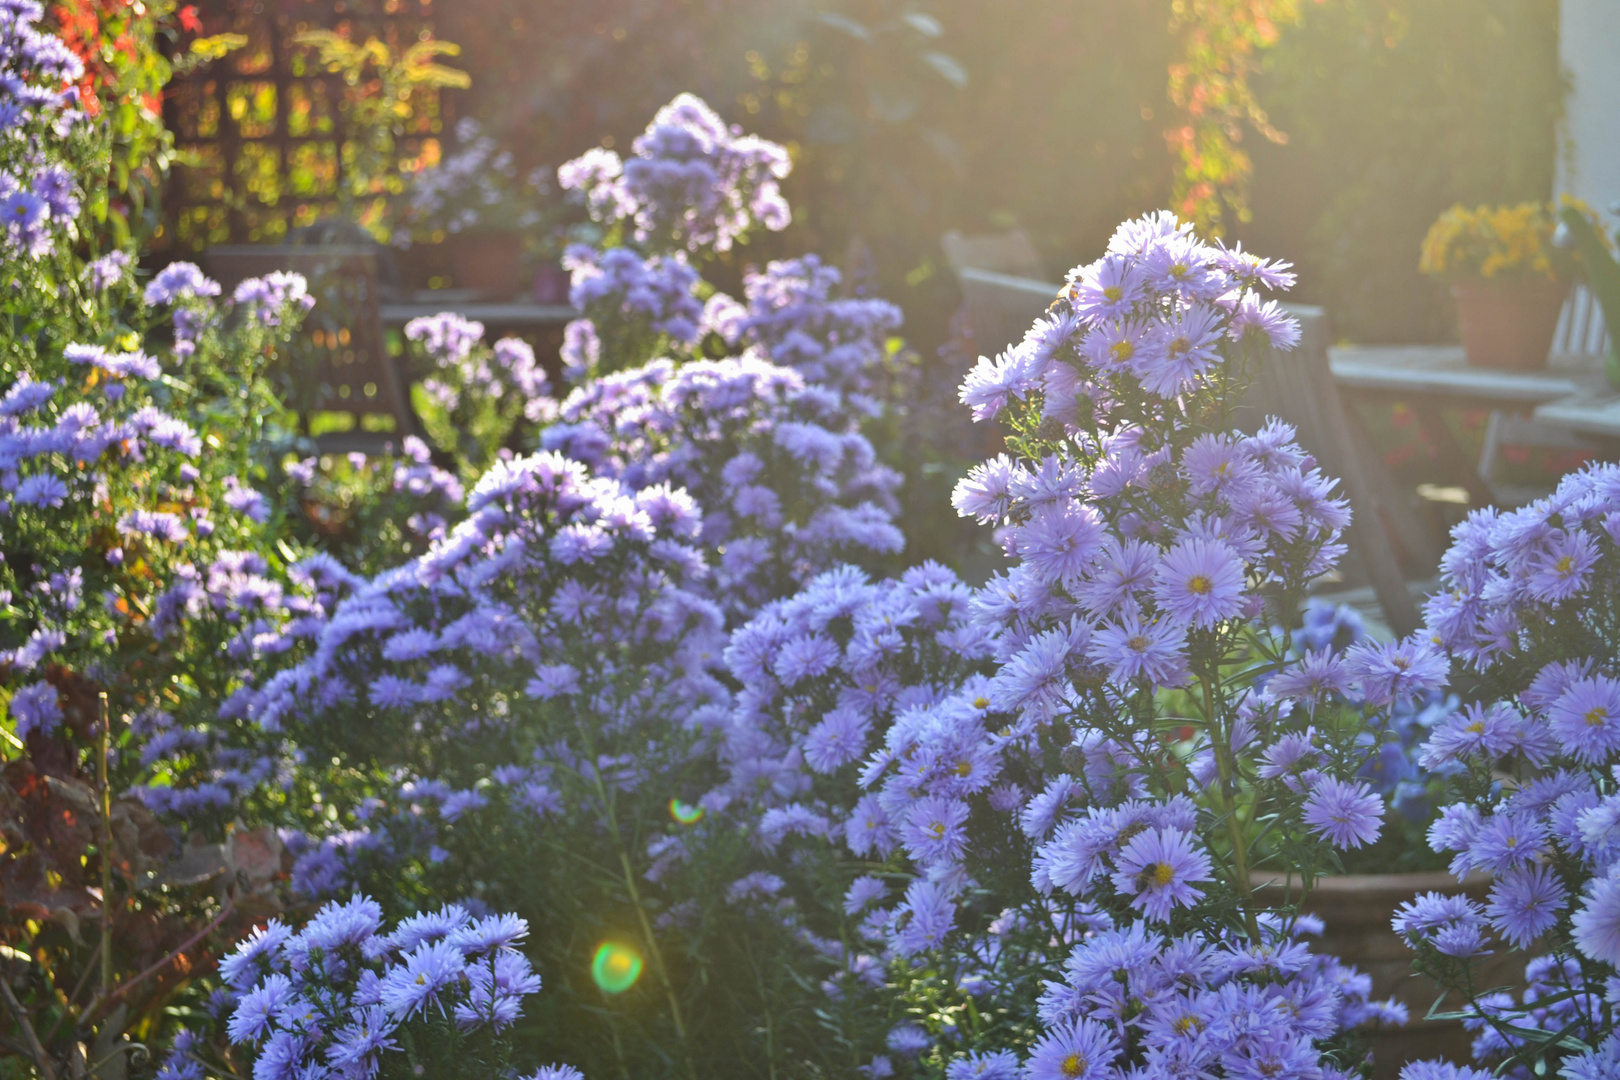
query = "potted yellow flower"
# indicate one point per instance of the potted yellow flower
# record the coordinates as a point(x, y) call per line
point(1508, 279)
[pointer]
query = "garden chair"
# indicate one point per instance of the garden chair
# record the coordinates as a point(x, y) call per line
point(1005, 253)
point(341, 361)
point(1581, 332)
point(1000, 306)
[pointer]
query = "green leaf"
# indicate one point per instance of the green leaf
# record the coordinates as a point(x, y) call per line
point(213, 48)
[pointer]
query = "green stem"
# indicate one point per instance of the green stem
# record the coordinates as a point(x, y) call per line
point(653, 950)
point(106, 850)
point(1227, 797)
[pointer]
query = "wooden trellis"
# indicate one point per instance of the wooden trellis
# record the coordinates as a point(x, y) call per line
point(262, 132)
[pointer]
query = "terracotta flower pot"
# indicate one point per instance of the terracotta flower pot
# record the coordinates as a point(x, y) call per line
point(489, 262)
point(1508, 324)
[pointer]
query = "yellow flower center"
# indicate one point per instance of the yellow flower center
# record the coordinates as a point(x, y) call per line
point(1139, 643)
point(1122, 351)
point(1074, 1066)
point(1565, 565)
point(964, 768)
point(1113, 293)
point(1162, 874)
point(1596, 717)
point(1179, 270)
point(1199, 584)
point(981, 703)
point(937, 829)
point(1180, 347)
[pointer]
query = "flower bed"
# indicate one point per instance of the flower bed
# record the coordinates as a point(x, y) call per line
point(645, 704)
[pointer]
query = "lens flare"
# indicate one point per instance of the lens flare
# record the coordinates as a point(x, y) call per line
point(616, 967)
point(685, 813)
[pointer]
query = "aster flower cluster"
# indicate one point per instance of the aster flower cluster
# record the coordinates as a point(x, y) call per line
point(480, 392)
point(133, 558)
point(1121, 713)
point(86, 461)
point(796, 317)
point(1527, 610)
point(39, 197)
point(691, 183)
point(787, 489)
point(342, 997)
point(636, 306)
point(474, 187)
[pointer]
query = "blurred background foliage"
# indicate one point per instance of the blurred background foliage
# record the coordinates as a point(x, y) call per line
point(1331, 132)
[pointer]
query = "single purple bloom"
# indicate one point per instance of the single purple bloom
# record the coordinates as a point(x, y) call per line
point(1349, 815)
point(1200, 582)
point(1156, 869)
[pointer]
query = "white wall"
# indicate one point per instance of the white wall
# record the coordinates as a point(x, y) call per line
point(1589, 46)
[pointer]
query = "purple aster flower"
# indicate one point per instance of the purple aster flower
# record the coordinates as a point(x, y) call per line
point(1077, 1050)
point(1349, 815)
point(1443, 1070)
point(489, 933)
point(1525, 903)
point(924, 919)
point(258, 1008)
point(1507, 840)
point(1264, 318)
point(424, 977)
point(1200, 582)
point(1156, 869)
point(1060, 540)
point(1477, 731)
point(42, 490)
point(107, 271)
point(35, 707)
point(1394, 671)
point(1318, 673)
point(427, 926)
point(936, 830)
point(836, 740)
point(258, 948)
point(863, 892)
point(1596, 923)
point(1116, 346)
point(178, 281)
point(1586, 719)
point(1179, 350)
point(987, 1065)
point(1107, 288)
point(355, 1045)
point(1136, 647)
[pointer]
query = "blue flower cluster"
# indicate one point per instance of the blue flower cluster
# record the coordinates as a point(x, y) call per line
point(1116, 713)
point(343, 998)
point(691, 182)
point(89, 437)
point(39, 198)
point(1526, 608)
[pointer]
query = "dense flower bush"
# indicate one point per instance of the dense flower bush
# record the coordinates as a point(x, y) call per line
point(1527, 611)
point(1060, 792)
point(133, 578)
point(440, 993)
point(636, 675)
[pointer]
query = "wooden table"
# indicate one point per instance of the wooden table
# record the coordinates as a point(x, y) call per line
point(1439, 373)
point(1432, 378)
point(1594, 414)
